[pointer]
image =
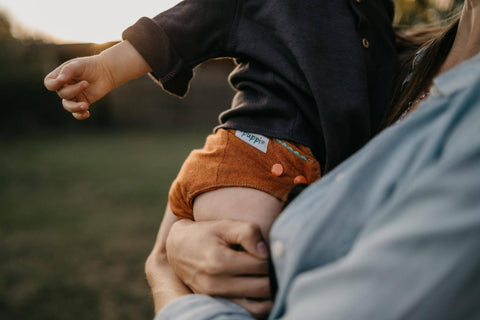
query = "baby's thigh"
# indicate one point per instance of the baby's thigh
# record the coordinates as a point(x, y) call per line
point(229, 178)
point(245, 204)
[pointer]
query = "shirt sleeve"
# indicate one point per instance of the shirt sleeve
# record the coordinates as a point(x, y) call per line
point(198, 307)
point(177, 40)
point(419, 257)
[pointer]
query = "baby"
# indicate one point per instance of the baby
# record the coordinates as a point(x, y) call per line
point(308, 93)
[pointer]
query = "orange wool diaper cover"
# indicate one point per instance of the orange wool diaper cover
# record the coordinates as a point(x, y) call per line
point(233, 158)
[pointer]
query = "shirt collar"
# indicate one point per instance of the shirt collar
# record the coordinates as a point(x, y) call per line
point(457, 78)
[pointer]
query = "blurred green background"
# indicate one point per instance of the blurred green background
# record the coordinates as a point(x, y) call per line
point(80, 202)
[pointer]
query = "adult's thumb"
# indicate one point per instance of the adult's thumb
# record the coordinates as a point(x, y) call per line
point(247, 235)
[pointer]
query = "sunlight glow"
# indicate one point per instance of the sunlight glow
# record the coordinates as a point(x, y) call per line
point(95, 21)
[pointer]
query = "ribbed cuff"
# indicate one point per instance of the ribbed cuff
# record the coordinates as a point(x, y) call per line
point(153, 44)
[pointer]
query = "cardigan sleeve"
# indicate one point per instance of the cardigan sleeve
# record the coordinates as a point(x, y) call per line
point(177, 40)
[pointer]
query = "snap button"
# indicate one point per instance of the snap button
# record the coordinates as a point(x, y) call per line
point(300, 179)
point(277, 170)
point(277, 249)
point(434, 91)
point(366, 43)
point(339, 177)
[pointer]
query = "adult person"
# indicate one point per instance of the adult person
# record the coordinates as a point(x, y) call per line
point(393, 232)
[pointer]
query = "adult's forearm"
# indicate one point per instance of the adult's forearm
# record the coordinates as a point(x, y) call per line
point(165, 286)
point(164, 283)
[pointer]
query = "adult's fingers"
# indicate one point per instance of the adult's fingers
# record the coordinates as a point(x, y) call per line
point(203, 256)
point(260, 309)
point(234, 287)
point(217, 254)
point(228, 261)
point(72, 90)
point(246, 235)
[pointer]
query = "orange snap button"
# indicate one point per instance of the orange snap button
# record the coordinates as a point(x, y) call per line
point(300, 179)
point(277, 169)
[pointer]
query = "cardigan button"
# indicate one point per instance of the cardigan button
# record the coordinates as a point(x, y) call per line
point(365, 43)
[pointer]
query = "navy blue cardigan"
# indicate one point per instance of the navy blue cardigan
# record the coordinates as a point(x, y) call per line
point(316, 72)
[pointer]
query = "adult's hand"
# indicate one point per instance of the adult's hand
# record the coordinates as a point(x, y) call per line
point(224, 258)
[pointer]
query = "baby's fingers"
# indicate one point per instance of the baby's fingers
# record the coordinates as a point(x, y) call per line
point(64, 74)
point(81, 115)
point(52, 83)
point(74, 106)
point(79, 110)
point(73, 90)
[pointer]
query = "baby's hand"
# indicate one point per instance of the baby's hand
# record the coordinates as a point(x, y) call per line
point(80, 82)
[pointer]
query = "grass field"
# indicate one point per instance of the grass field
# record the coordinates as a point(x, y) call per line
point(78, 216)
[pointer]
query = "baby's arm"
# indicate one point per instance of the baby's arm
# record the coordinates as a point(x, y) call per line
point(82, 81)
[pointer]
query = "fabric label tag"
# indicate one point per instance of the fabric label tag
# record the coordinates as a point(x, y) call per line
point(255, 140)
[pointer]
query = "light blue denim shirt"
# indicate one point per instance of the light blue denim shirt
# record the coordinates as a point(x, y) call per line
point(391, 233)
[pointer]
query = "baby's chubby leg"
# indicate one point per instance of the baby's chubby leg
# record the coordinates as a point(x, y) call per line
point(235, 203)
